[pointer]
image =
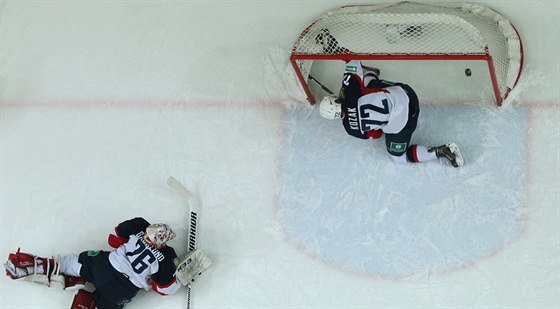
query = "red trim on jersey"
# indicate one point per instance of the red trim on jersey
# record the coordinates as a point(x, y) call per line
point(116, 241)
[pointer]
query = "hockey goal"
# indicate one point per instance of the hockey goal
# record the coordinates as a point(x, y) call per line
point(414, 31)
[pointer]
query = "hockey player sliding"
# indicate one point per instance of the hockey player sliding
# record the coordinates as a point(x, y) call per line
point(370, 107)
point(141, 260)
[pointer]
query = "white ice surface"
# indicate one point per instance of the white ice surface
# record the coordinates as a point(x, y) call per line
point(102, 101)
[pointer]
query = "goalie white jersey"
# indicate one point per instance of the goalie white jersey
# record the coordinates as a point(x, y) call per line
point(145, 266)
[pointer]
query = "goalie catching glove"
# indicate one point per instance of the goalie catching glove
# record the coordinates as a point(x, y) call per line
point(192, 265)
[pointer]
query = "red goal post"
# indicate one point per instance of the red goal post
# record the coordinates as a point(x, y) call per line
point(414, 31)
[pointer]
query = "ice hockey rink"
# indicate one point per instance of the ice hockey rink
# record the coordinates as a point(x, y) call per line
point(102, 101)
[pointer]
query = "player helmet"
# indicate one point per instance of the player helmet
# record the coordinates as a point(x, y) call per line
point(330, 108)
point(158, 234)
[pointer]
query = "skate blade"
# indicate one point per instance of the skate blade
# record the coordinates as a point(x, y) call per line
point(458, 156)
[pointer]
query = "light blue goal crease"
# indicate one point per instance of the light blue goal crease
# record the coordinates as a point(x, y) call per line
point(344, 201)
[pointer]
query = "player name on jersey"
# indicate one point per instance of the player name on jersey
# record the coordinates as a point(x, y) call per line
point(157, 254)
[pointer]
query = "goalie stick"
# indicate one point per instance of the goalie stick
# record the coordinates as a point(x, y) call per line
point(179, 188)
point(193, 218)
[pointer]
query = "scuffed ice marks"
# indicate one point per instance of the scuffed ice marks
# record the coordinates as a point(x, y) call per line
point(280, 80)
point(344, 202)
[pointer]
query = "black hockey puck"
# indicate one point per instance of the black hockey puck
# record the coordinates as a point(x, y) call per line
point(468, 72)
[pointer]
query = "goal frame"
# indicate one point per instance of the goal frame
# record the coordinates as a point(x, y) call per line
point(485, 56)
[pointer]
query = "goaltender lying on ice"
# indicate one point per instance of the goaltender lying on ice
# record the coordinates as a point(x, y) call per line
point(141, 260)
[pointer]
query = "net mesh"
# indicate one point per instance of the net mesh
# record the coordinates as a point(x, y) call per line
point(410, 29)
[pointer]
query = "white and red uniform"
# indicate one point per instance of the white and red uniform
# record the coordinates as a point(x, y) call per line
point(370, 105)
point(117, 275)
point(368, 108)
point(145, 266)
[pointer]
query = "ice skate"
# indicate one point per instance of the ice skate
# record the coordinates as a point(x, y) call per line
point(450, 152)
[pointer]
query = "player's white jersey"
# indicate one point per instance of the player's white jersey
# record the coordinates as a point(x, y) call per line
point(386, 110)
point(137, 260)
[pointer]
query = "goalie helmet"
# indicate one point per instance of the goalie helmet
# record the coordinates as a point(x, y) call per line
point(330, 108)
point(158, 234)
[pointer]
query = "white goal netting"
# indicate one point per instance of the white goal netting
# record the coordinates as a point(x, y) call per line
point(414, 31)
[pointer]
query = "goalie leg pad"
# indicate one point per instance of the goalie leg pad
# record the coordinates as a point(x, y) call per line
point(21, 264)
point(83, 300)
point(74, 283)
point(192, 265)
point(33, 268)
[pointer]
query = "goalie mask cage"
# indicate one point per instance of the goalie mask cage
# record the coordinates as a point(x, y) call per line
point(413, 31)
